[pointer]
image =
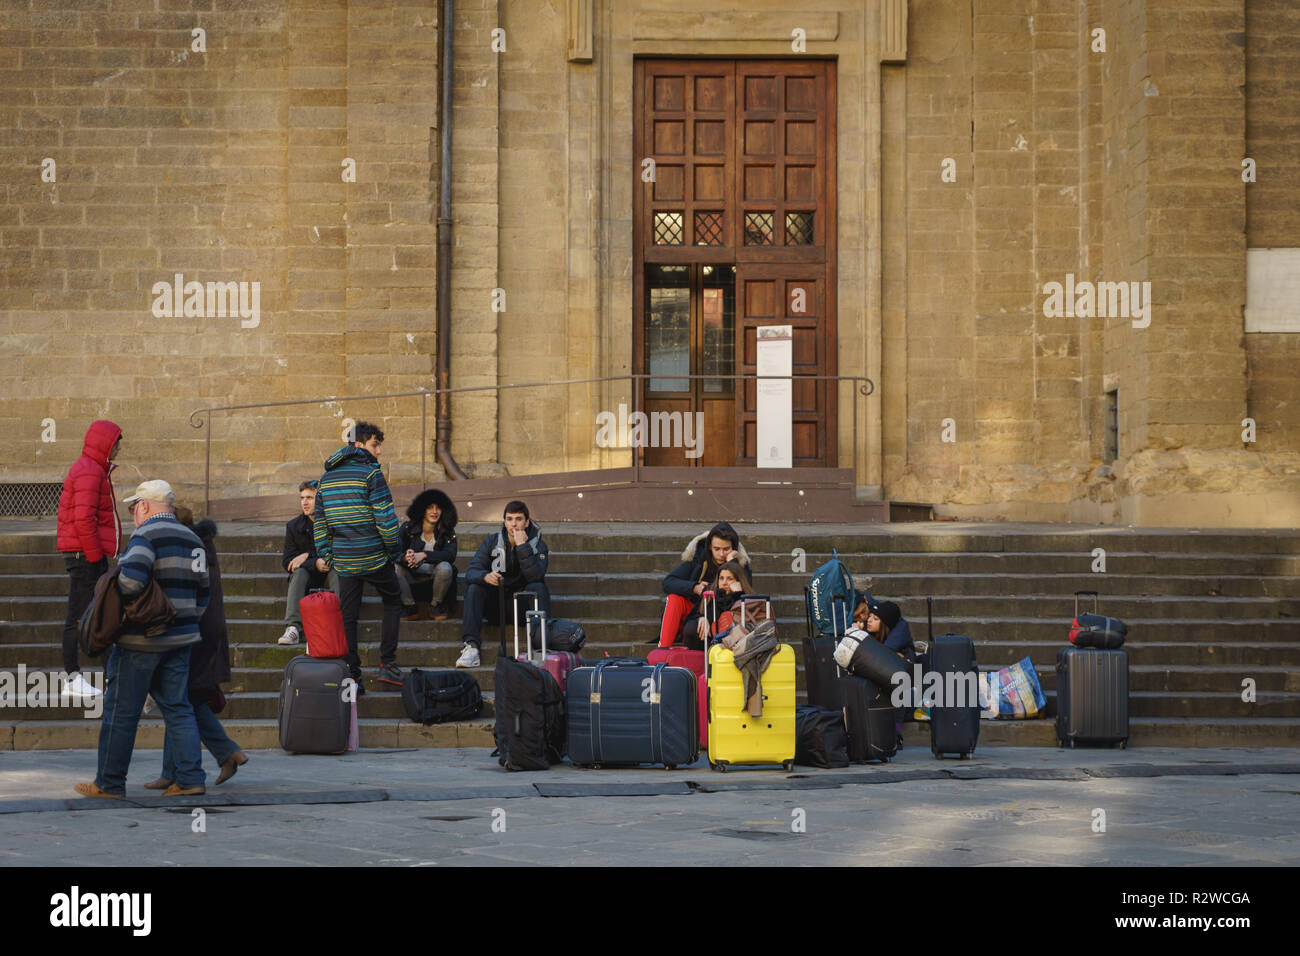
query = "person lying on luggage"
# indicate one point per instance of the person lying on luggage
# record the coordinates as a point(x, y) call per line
point(519, 551)
point(880, 620)
point(702, 559)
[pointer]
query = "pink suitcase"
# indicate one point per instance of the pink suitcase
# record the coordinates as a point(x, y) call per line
point(694, 661)
point(556, 663)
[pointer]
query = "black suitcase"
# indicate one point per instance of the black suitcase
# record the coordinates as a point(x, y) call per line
point(869, 720)
point(434, 697)
point(1091, 696)
point(822, 741)
point(315, 711)
point(529, 728)
point(820, 672)
point(628, 712)
point(954, 729)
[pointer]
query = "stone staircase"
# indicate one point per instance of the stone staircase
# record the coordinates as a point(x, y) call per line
point(1206, 610)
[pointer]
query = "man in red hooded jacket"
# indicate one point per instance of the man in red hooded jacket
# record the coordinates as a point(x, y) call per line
point(89, 532)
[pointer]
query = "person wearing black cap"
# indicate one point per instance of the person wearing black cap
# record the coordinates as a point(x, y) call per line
point(884, 621)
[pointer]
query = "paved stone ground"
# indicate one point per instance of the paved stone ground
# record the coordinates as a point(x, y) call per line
point(1010, 806)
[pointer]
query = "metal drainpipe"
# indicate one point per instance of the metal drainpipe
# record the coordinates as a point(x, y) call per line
point(442, 447)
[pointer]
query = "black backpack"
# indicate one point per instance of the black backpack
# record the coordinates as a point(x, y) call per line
point(530, 725)
point(434, 697)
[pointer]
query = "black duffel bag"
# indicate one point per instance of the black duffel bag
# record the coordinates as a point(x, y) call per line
point(435, 697)
point(1097, 630)
point(564, 635)
point(821, 739)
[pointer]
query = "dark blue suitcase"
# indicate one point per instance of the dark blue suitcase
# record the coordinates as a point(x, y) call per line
point(954, 729)
point(628, 712)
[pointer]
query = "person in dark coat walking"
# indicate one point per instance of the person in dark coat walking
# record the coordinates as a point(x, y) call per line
point(209, 668)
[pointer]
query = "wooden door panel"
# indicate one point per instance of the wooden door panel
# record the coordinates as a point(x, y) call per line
point(745, 160)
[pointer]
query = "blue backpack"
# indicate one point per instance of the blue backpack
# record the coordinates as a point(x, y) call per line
point(829, 582)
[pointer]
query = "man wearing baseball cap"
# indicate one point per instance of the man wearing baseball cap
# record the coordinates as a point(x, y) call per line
point(170, 553)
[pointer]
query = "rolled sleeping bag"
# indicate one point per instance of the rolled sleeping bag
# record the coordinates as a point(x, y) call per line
point(863, 656)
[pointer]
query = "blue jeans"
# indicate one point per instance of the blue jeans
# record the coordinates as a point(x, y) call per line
point(212, 734)
point(129, 675)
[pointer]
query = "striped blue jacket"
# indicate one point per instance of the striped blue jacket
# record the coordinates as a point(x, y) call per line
point(355, 527)
point(165, 549)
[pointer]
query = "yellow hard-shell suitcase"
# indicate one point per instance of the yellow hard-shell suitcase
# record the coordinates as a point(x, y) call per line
point(734, 736)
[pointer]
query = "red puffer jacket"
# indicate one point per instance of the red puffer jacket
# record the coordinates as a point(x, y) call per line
point(87, 509)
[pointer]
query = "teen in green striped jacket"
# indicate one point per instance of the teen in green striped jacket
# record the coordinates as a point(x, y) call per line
point(355, 531)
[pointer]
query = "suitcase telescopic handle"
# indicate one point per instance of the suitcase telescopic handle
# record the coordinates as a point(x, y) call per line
point(1096, 601)
point(515, 605)
point(844, 603)
point(709, 597)
point(540, 617)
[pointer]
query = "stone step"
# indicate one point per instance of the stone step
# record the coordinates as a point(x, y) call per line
point(1060, 588)
point(1134, 609)
point(814, 539)
point(376, 704)
point(658, 563)
point(603, 630)
point(1221, 668)
point(264, 734)
point(1278, 683)
point(1141, 679)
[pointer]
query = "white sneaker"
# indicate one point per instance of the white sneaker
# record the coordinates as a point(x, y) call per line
point(468, 657)
point(78, 686)
point(290, 636)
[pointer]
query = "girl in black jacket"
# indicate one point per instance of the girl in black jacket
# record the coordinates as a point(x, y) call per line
point(426, 571)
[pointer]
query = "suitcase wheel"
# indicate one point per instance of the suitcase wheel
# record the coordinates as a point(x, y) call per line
point(788, 766)
point(1123, 744)
point(720, 766)
point(670, 766)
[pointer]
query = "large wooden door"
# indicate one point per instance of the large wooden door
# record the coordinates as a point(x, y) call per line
point(734, 229)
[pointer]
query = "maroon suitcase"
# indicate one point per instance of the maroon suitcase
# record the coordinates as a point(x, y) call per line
point(556, 663)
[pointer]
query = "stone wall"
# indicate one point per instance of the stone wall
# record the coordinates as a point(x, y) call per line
point(1119, 164)
point(222, 164)
point(1273, 206)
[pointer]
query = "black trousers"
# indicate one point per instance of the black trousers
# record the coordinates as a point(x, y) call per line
point(484, 599)
point(385, 582)
point(82, 576)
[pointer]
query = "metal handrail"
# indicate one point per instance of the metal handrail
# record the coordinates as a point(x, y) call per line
point(865, 388)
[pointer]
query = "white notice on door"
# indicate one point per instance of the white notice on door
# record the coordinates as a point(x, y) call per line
point(775, 397)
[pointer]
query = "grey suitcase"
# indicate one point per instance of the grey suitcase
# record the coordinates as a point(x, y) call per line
point(315, 711)
point(1091, 697)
